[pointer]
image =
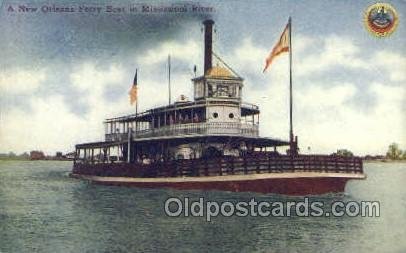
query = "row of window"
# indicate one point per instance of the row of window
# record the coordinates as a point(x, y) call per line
point(231, 90)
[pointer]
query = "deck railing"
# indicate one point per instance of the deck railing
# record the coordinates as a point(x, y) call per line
point(250, 164)
point(214, 128)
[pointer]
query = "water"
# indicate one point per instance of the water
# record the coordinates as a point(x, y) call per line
point(43, 210)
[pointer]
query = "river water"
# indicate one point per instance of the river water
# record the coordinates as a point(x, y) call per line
point(43, 210)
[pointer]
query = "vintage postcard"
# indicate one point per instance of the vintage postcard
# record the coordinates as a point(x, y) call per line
point(202, 126)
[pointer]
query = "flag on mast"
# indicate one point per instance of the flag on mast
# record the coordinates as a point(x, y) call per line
point(134, 89)
point(281, 46)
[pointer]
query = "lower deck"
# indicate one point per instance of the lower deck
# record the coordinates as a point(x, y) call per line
point(155, 150)
point(255, 163)
point(264, 172)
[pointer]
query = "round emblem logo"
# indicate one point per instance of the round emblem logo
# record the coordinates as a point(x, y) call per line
point(381, 19)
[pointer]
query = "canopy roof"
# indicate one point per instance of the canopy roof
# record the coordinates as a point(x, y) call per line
point(177, 140)
point(219, 72)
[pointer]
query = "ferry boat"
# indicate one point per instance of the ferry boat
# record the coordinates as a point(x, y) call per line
point(209, 143)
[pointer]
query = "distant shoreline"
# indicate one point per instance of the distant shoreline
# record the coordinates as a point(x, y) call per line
point(30, 160)
point(66, 159)
point(384, 161)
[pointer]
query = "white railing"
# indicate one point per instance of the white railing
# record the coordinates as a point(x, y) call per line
point(204, 128)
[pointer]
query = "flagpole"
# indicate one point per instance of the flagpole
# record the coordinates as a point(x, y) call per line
point(136, 120)
point(136, 105)
point(290, 88)
point(169, 78)
point(129, 145)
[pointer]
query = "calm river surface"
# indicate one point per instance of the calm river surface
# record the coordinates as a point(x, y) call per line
point(43, 210)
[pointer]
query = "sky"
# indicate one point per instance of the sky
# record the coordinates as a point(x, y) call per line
point(63, 73)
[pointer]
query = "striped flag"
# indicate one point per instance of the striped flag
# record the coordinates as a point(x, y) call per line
point(280, 47)
point(134, 90)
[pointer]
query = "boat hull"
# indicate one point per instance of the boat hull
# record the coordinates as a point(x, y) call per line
point(304, 183)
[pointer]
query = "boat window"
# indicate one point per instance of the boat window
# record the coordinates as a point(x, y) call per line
point(222, 91)
point(210, 90)
point(231, 115)
point(215, 115)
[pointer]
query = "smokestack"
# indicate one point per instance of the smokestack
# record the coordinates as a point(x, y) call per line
point(208, 41)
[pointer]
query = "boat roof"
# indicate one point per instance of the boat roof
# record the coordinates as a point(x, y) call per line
point(246, 109)
point(257, 141)
point(218, 72)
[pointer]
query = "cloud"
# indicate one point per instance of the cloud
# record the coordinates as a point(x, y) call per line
point(48, 126)
point(248, 57)
point(93, 82)
point(311, 55)
point(392, 63)
point(325, 120)
point(87, 77)
point(21, 81)
point(331, 96)
point(336, 51)
point(179, 51)
point(324, 116)
point(39, 39)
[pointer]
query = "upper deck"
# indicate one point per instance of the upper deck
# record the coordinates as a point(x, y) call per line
point(202, 128)
point(187, 118)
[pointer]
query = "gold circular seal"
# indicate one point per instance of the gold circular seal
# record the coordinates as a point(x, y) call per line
point(381, 19)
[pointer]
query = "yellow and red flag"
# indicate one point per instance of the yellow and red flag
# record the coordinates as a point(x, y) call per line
point(134, 90)
point(280, 47)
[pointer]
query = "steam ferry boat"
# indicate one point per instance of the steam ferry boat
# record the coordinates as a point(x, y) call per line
point(210, 143)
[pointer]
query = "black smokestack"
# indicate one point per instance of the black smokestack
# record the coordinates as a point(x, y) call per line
point(208, 41)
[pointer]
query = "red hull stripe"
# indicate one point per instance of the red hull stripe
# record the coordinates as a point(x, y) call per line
point(299, 184)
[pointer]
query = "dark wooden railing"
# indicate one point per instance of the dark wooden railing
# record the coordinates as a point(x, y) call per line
point(250, 164)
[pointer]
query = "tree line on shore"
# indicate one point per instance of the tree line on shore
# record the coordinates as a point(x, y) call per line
point(393, 153)
point(36, 155)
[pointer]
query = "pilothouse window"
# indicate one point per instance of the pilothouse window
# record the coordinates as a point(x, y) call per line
point(221, 90)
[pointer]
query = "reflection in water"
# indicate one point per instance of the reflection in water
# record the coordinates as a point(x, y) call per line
point(42, 209)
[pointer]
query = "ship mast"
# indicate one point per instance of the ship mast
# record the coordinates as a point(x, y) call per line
point(169, 79)
point(136, 107)
point(290, 85)
point(292, 141)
